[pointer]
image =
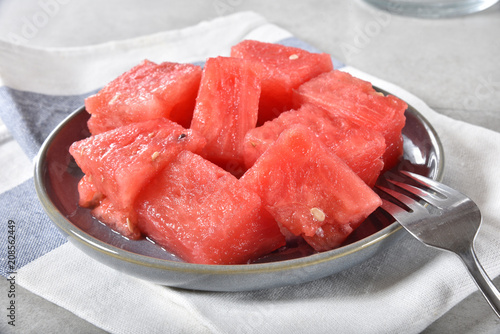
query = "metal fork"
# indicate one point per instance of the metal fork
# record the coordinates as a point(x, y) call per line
point(440, 217)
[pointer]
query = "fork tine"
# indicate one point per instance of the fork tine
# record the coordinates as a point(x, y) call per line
point(405, 200)
point(431, 184)
point(443, 195)
point(392, 209)
point(427, 196)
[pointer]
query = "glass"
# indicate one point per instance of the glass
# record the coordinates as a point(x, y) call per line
point(433, 8)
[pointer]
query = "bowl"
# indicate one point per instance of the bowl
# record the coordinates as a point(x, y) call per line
point(57, 175)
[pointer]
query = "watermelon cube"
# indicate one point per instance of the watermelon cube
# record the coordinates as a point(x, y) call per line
point(204, 215)
point(120, 162)
point(89, 196)
point(346, 96)
point(226, 108)
point(284, 69)
point(123, 221)
point(360, 148)
point(305, 186)
point(329, 236)
point(147, 91)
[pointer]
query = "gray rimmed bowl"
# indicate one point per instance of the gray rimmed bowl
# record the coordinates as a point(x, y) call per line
point(57, 175)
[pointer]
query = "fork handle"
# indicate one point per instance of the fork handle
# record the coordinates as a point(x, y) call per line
point(484, 283)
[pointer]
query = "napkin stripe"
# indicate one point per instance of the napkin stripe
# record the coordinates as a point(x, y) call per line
point(33, 233)
point(30, 118)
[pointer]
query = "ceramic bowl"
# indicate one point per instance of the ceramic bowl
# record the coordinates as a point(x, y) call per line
point(57, 176)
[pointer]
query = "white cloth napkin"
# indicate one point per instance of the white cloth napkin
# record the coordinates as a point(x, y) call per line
point(399, 290)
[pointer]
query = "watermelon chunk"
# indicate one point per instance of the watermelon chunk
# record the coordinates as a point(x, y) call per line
point(120, 162)
point(346, 96)
point(226, 108)
point(123, 221)
point(360, 148)
point(305, 186)
point(89, 196)
point(329, 236)
point(284, 69)
point(204, 215)
point(147, 91)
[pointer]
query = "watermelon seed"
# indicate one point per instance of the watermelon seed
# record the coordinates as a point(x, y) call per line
point(253, 144)
point(183, 135)
point(129, 225)
point(155, 155)
point(318, 214)
point(151, 135)
point(294, 56)
point(113, 100)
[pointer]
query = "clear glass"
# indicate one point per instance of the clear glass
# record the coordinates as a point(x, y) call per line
point(433, 8)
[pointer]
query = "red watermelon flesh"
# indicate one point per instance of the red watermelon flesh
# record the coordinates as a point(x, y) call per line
point(304, 185)
point(329, 236)
point(147, 91)
point(204, 215)
point(124, 221)
point(346, 96)
point(89, 196)
point(360, 148)
point(226, 108)
point(122, 161)
point(284, 69)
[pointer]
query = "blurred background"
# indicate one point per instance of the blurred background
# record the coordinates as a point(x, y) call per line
point(452, 63)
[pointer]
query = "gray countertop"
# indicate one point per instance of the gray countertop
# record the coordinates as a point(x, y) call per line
point(451, 64)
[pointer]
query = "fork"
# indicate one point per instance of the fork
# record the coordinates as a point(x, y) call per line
point(440, 217)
